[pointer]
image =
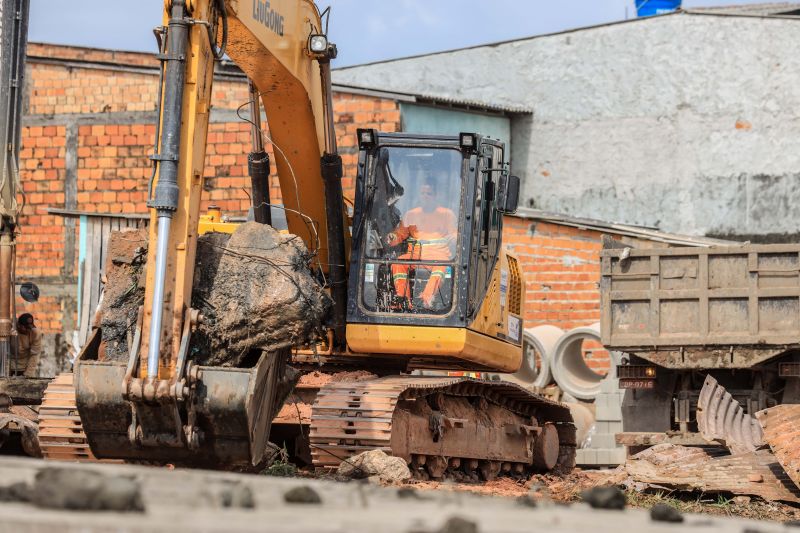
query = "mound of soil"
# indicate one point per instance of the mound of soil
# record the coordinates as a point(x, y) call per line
point(123, 292)
point(254, 289)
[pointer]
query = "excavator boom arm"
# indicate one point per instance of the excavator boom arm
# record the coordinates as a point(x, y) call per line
point(269, 41)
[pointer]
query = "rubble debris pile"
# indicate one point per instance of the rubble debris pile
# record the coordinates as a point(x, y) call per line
point(123, 292)
point(712, 471)
point(254, 290)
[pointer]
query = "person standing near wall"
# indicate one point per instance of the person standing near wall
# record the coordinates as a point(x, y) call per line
point(29, 347)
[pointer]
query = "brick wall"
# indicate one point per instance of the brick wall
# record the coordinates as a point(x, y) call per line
point(562, 273)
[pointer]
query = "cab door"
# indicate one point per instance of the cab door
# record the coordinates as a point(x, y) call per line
point(486, 225)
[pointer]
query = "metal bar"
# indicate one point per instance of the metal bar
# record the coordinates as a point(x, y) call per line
point(165, 199)
point(258, 162)
point(752, 304)
point(158, 297)
point(255, 118)
point(655, 302)
point(6, 294)
point(331, 164)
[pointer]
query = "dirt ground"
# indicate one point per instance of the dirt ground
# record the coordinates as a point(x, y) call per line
point(568, 489)
point(320, 379)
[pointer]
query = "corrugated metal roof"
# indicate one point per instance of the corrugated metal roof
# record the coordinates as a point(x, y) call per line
point(439, 101)
point(630, 230)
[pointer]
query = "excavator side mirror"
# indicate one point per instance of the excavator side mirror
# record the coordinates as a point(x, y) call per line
point(29, 292)
point(507, 194)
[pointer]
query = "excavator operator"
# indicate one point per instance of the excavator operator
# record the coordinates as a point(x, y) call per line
point(430, 231)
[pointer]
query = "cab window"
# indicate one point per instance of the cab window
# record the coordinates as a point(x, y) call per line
point(410, 238)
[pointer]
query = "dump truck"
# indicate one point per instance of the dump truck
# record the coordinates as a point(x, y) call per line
point(709, 337)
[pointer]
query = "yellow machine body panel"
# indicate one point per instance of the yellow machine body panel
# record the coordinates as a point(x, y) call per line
point(268, 41)
point(500, 314)
point(437, 344)
point(491, 342)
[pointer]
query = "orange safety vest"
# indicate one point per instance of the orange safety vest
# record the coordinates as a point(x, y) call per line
point(432, 230)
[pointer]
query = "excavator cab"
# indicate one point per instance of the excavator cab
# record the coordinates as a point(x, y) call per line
point(426, 243)
point(410, 229)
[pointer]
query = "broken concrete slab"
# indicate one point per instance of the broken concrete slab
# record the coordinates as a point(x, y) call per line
point(374, 463)
point(174, 502)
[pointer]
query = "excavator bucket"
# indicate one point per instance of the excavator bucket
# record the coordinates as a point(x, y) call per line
point(217, 417)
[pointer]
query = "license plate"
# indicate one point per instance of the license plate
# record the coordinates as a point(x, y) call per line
point(630, 383)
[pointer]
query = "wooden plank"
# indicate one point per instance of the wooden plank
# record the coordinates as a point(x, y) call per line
point(96, 269)
point(52, 423)
point(685, 468)
point(57, 414)
point(86, 277)
point(105, 235)
point(353, 422)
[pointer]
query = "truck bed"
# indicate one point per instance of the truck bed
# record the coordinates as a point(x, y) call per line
point(691, 307)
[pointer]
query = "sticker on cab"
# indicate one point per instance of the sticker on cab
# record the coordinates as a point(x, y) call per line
point(513, 328)
point(369, 273)
point(503, 287)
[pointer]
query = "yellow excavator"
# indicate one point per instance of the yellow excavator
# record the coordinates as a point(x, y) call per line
point(403, 300)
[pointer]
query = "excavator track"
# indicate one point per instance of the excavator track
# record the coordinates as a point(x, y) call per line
point(781, 426)
point(61, 435)
point(443, 423)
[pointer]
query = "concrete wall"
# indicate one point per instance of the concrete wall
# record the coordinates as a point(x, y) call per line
point(687, 122)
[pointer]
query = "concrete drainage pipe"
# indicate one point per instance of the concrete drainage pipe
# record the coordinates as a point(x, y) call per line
point(584, 421)
point(569, 367)
point(537, 352)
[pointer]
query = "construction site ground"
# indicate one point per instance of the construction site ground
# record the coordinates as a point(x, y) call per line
point(197, 500)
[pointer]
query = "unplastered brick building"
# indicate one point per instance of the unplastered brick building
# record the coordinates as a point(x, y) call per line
point(88, 132)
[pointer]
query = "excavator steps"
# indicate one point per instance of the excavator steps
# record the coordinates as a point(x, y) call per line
point(61, 435)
